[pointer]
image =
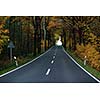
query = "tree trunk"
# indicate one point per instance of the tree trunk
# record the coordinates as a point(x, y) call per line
point(39, 34)
point(64, 38)
point(74, 35)
point(35, 28)
point(80, 36)
point(74, 40)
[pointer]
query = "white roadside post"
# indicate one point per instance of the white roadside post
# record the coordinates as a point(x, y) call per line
point(85, 60)
point(16, 61)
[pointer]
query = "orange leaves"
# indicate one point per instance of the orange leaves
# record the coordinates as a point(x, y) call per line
point(54, 23)
point(2, 24)
point(51, 24)
point(3, 32)
point(93, 56)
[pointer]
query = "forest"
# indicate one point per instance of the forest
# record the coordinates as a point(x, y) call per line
point(33, 35)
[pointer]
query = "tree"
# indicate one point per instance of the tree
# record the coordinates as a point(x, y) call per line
point(55, 28)
point(37, 33)
point(80, 25)
point(3, 33)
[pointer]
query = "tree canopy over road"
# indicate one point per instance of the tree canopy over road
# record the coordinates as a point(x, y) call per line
point(35, 34)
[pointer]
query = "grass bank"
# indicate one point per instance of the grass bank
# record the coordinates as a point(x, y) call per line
point(21, 61)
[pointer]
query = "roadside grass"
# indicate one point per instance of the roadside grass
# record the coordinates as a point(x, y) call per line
point(90, 69)
point(7, 69)
point(21, 61)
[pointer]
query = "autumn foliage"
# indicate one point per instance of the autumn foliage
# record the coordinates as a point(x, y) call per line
point(35, 34)
point(90, 50)
point(3, 32)
point(92, 55)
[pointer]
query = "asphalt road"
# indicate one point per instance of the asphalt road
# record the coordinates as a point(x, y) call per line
point(54, 66)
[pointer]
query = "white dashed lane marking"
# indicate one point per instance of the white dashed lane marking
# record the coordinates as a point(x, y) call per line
point(52, 61)
point(48, 71)
point(54, 54)
point(53, 57)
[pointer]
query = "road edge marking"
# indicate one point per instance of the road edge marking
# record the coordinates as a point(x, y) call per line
point(25, 63)
point(82, 67)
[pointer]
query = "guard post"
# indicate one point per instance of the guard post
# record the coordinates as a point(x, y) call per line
point(16, 61)
point(85, 58)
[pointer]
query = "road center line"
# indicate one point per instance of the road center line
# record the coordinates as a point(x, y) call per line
point(54, 54)
point(26, 63)
point(52, 61)
point(48, 71)
point(53, 57)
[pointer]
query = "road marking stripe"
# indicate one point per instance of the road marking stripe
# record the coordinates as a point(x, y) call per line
point(26, 63)
point(52, 61)
point(53, 57)
point(48, 71)
point(54, 54)
point(81, 67)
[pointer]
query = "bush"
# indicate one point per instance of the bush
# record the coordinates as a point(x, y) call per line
point(92, 55)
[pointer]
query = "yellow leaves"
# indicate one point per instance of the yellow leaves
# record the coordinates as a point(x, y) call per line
point(56, 36)
point(3, 32)
point(1, 26)
point(93, 56)
point(3, 19)
point(80, 49)
point(91, 38)
point(6, 31)
point(51, 24)
point(54, 23)
point(1, 42)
